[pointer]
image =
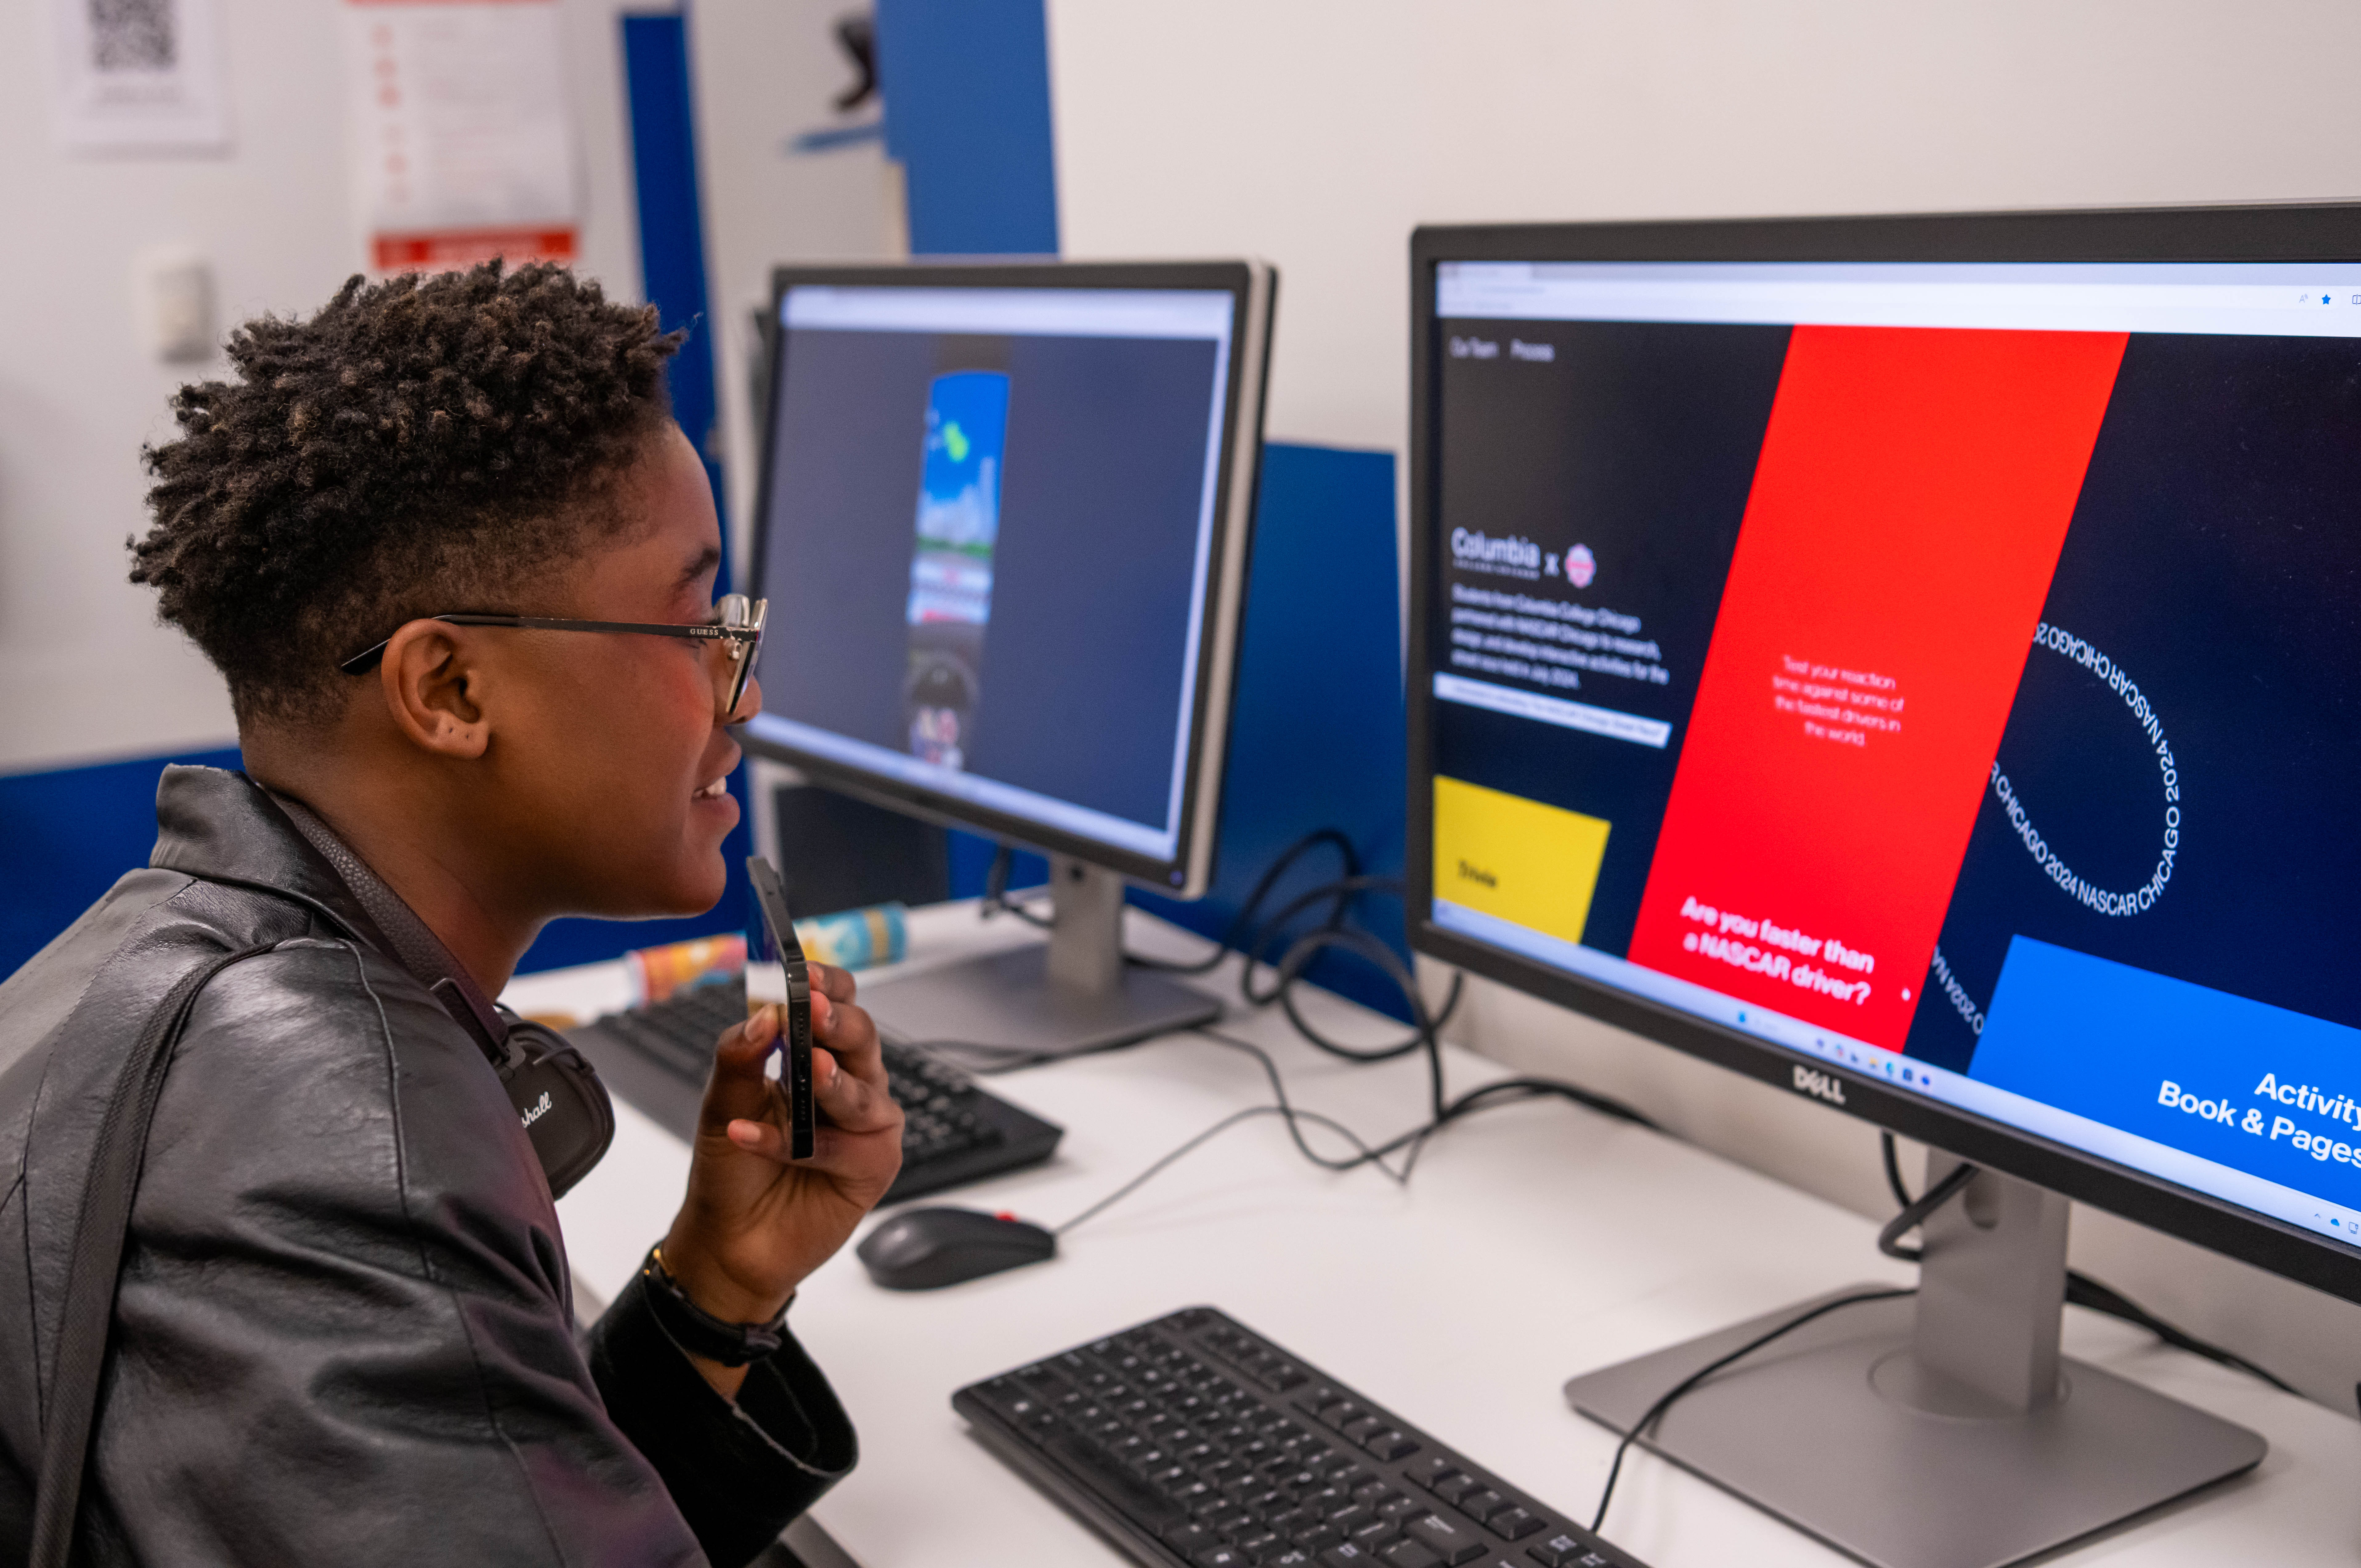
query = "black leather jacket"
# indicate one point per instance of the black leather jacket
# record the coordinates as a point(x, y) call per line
point(344, 1328)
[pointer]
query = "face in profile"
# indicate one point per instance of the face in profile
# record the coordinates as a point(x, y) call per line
point(611, 772)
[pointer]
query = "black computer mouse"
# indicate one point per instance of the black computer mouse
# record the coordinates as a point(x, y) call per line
point(923, 1249)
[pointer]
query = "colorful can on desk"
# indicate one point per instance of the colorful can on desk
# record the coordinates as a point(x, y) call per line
point(657, 973)
point(857, 939)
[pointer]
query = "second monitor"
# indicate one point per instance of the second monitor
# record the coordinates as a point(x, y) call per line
point(1003, 524)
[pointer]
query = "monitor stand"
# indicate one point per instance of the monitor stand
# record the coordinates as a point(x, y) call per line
point(1942, 1430)
point(1073, 993)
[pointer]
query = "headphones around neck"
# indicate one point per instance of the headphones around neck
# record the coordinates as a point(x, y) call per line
point(555, 1090)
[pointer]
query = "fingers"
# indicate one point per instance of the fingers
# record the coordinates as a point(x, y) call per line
point(849, 1101)
point(760, 1138)
point(852, 1034)
point(856, 1114)
point(828, 980)
point(738, 1087)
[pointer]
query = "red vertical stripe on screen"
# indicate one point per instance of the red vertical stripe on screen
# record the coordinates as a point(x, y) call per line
point(1908, 511)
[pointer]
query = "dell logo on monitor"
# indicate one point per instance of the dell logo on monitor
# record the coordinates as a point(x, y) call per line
point(1819, 1085)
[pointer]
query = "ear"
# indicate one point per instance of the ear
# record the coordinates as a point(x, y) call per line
point(435, 688)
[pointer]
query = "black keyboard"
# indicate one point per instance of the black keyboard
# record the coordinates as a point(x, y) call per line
point(1191, 1441)
point(952, 1131)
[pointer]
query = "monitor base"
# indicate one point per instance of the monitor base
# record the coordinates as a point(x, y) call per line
point(1008, 1000)
point(1941, 1430)
point(1829, 1429)
point(1071, 993)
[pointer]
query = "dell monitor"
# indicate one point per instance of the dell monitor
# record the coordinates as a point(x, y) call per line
point(1003, 524)
point(1916, 662)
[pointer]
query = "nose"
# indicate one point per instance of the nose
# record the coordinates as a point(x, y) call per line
point(749, 704)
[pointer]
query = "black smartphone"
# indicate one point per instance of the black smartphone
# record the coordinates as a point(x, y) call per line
point(777, 976)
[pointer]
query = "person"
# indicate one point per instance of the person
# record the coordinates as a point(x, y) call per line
point(344, 1326)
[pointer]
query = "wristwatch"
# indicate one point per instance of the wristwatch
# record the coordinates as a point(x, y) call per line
point(698, 1332)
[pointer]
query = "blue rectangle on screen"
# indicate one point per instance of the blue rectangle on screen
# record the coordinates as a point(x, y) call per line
point(2269, 1092)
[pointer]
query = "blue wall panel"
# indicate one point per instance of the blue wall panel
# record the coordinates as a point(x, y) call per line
point(966, 85)
point(66, 834)
point(1317, 734)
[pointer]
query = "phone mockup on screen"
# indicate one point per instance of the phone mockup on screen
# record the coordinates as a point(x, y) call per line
point(776, 976)
point(951, 568)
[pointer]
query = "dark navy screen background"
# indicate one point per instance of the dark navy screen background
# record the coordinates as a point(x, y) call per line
point(1638, 440)
point(2215, 556)
point(1101, 496)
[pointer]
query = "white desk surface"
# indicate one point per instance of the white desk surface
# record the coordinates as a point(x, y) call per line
point(1535, 1241)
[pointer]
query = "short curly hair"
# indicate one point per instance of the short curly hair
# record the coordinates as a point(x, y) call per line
point(422, 444)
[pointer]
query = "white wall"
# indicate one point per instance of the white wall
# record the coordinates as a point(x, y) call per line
point(1318, 133)
point(766, 71)
point(85, 672)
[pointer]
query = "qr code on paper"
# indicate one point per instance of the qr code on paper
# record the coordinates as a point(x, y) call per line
point(132, 34)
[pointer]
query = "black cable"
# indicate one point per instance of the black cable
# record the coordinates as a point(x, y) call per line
point(1664, 1401)
point(2082, 1290)
point(1225, 1125)
point(995, 893)
point(1889, 1240)
point(1242, 923)
point(1363, 1153)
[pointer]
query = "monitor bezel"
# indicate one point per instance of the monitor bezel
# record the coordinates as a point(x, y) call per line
point(2288, 233)
point(1252, 286)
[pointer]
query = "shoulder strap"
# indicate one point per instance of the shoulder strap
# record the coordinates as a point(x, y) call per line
point(105, 1215)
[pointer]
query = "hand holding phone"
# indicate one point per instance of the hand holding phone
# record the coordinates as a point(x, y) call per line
point(777, 977)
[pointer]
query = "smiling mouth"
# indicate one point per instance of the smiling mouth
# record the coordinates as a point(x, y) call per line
point(713, 791)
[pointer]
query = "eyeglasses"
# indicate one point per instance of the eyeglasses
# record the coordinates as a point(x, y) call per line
point(735, 631)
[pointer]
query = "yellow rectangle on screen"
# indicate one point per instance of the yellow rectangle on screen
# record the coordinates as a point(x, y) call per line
point(1532, 864)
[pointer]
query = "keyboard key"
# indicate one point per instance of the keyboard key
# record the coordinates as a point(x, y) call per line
point(1185, 1537)
point(1555, 1552)
point(1427, 1471)
point(1220, 1557)
point(1401, 1508)
point(1319, 1537)
point(1409, 1554)
point(1453, 1488)
point(1391, 1445)
point(1342, 1413)
point(1261, 1546)
point(1374, 1534)
point(1481, 1506)
point(1362, 1427)
point(1514, 1523)
point(1454, 1543)
point(1346, 1556)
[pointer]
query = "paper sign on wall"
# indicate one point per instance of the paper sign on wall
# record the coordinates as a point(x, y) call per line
point(140, 75)
point(463, 144)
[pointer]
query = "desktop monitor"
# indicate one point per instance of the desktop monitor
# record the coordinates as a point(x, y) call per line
point(1916, 662)
point(1003, 525)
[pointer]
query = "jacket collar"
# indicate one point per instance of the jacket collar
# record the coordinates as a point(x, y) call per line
point(223, 827)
